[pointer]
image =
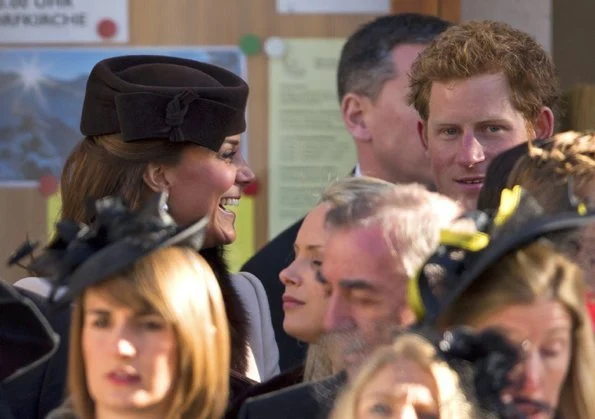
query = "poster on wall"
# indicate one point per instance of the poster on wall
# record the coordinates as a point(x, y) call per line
point(333, 6)
point(42, 94)
point(308, 144)
point(68, 21)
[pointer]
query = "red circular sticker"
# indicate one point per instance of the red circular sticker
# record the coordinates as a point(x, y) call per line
point(251, 189)
point(106, 28)
point(48, 185)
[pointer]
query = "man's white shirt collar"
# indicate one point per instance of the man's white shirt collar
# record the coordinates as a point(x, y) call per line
point(358, 171)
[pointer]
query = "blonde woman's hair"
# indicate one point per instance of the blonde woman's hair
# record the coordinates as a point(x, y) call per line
point(318, 363)
point(522, 277)
point(452, 402)
point(323, 358)
point(178, 284)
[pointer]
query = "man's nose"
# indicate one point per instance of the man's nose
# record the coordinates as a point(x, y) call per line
point(337, 316)
point(470, 151)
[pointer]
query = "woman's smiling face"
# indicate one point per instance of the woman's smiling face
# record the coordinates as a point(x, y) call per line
point(204, 183)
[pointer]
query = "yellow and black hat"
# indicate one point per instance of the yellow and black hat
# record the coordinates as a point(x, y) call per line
point(461, 258)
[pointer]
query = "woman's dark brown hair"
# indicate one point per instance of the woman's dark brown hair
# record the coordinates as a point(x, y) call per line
point(107, 165)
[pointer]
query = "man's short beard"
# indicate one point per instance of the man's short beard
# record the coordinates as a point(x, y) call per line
point(354, 348)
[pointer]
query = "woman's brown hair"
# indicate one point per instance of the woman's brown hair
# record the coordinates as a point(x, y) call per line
point(178, 285)
point(109, 166)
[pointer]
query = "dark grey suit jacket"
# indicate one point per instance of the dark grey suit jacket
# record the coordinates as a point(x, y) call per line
point(34, 394)
point(303, 401)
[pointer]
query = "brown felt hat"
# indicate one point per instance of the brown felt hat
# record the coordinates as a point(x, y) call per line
point(157, 97)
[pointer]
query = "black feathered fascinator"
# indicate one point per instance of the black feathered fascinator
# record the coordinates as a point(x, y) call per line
point(487, 365)
point(81, 255)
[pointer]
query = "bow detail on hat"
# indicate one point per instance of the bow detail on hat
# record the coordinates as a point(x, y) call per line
point(176, 111)
point(149, 97)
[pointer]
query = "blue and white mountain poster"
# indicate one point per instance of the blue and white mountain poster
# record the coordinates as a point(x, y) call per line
point(41, 96)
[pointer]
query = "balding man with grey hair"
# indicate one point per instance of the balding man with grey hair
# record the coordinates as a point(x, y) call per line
point(376, 243)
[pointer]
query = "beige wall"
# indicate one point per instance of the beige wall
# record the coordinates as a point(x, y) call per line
point(574, 41)
point(566, 28)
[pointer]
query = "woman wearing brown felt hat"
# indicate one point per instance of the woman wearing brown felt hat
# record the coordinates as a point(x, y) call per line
point(165, 124)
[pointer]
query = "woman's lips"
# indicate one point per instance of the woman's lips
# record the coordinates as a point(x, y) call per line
point(532, 408)
point(290, 302)
point(121, 378)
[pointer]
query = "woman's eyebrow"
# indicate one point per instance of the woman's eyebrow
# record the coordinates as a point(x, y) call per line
point(97, 311)
point(147, 311)
point(308, 248)
point(232, 141)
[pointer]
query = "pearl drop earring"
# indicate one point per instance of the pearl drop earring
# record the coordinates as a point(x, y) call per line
point(165, 207)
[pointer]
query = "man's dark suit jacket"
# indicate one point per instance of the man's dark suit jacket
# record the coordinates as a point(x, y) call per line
point(266, 265)
point(313, 400)
point(34, 394)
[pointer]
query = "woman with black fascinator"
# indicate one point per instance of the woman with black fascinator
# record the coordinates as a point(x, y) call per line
point(487, 364)
point(506, 273)
point(165, 124)
point(422, 375)
point(149, 335)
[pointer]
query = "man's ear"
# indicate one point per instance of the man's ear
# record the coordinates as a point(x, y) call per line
point(156, 177)
point(353, 110)
point(422, 134)
point(544, 124)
